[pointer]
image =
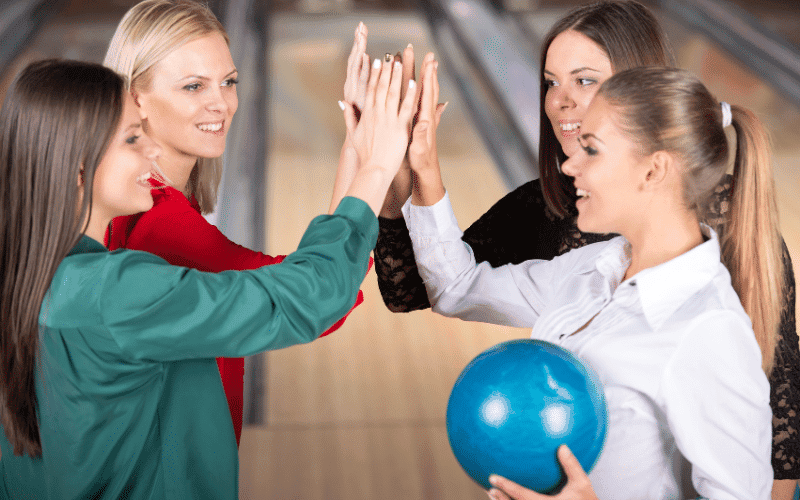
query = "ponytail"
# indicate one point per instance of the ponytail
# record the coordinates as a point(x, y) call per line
point(751, 244)
point(668, 109)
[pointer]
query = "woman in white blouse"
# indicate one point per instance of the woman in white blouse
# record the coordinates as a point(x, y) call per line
point(652, 311)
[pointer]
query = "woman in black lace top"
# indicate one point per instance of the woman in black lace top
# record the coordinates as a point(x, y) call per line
point(630, 36)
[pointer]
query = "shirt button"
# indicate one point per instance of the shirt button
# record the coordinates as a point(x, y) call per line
point(633, 283)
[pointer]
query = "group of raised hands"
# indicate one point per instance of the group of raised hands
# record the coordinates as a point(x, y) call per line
point(391, 125)
point(391, 146)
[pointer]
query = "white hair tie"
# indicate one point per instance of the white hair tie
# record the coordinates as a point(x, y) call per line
point(727, 117)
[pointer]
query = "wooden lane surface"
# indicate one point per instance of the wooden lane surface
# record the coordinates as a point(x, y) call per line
point(359, 414)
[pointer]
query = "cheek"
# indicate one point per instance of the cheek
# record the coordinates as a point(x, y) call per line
point(585, 98)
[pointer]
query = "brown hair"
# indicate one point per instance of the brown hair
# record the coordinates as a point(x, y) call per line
point(58, 118)
point(631, 36)
point(146, 34)
point(666, 109)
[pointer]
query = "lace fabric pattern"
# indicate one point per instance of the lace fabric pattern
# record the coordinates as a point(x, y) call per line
point(520, 227)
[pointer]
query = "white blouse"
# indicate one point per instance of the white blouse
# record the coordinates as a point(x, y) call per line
point(675, 351)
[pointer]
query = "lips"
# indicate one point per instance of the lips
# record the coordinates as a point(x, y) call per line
point(569, 128)
point(143, 179)
point(214, 128)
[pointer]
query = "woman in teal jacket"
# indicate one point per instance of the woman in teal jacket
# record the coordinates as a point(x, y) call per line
point(103, 385)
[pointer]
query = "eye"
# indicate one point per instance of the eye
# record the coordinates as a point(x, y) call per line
point(192, 87)
point(589, 150)
point(132, 139)
point(584, 82)
point(550, 83)
point(230, 82)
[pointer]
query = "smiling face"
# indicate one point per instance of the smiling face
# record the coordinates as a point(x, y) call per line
point(120, 181)
point(574, 69)
point(609, 169)
point(190, 100)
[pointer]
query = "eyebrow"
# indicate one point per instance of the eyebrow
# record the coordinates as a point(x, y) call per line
point(575, 71)
point(200, 77)
point(134, 125)
point(589, 134)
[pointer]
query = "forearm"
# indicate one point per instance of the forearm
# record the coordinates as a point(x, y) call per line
point(399, 281)
point(399, 191)
point(345, 172)
point(427, 187)
point(370, 185)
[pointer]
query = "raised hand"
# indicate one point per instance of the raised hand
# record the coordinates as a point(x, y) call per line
point(380, 136)
point(578, 486)
point(355, 85)
point(422, 156)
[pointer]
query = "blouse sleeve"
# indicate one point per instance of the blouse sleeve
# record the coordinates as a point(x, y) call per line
point(515, 229)
point(715, 399)
point(179, 313)
point(785, 385)
point(460, 287)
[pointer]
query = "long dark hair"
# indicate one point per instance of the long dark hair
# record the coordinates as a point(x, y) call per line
point(631, 37)
point(57, 120)
point(666, 109)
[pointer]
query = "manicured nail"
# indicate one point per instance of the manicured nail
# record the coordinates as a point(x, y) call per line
point(376, 64)
point(493, 479)
point(397, 65)
point(410, 46)
point(341, 105)
point(411, 84)
point(445, 106)
point(388, 57)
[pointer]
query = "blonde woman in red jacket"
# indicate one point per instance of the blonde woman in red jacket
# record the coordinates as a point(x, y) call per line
point(179, 69)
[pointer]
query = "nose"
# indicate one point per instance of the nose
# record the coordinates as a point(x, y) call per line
point(217, 101)
point(562, 97)
point(571, 166)
point(150, 149)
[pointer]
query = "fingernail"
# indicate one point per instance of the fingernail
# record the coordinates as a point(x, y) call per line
point(410, 46)
point(376, 64)
point(387, 57)
point(436, 65)
point(493, 479)
point(397, 65)
point(412, 84)
point(341, 105)
point(445, 106)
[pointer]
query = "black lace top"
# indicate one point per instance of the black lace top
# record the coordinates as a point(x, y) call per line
point(520, 227)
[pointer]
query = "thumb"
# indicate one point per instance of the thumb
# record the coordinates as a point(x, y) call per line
point(350, 120)
point(572, 468)
point(440, 111)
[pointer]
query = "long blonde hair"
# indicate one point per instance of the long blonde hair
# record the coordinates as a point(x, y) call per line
point(146, 34)
point(671, 110)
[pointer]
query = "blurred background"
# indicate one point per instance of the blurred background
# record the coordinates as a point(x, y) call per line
point(361, 414)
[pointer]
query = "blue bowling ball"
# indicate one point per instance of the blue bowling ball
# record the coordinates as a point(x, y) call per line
point(515, 404)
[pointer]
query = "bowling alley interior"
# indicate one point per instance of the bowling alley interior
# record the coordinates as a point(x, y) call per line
point(361, 414)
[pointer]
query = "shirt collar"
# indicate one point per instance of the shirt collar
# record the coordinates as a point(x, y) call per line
point(664, 288)
point(87, 245)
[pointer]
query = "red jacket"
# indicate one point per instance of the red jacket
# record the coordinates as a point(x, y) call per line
point(175, 230)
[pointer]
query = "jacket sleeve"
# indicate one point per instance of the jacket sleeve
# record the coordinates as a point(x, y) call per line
point(159, 312)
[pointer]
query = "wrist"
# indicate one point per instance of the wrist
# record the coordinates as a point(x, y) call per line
point(427, 188)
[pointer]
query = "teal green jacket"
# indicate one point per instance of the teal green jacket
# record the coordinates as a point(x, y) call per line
point(129, 396)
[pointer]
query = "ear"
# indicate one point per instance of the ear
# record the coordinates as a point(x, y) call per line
point(659, 167)
point(137, 100)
